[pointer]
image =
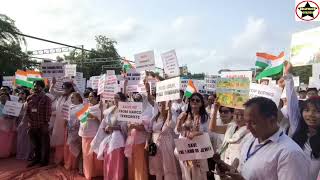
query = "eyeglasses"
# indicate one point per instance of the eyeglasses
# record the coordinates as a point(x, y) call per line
point(195, 100)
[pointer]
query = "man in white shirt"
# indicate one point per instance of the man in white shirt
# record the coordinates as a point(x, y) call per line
point(268, 153)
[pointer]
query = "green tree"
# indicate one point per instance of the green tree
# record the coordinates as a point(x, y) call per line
point(105, 48)
point(11, 55)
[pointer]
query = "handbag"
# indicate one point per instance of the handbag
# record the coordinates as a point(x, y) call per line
point(152, 147)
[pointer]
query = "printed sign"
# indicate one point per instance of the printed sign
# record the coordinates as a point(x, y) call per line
point(111, 72)
point(12, 108)
point(168, 90)
point(296, 81)
point(184, 83)
point(14, 98)
point(102, 82)
point(237, 74)
point(233, 92)
point(305, 47)
point(70, 70)
point(210, 82)
point(94, 82)
point(199, 147)
point(130, 112)
point(270, 92)
point(144, 61)
point(170, 64)
point(109, 92)
point(52, 69)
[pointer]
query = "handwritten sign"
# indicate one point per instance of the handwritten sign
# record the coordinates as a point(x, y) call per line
point(233, 92)
point(12, 108)
point(199, 147)
point(144, 61)
point(170, 63)
point(130, 112)
point(237, 74)
point(52, 69)
point(270, 92)
point(168, 90)
point(94, 81)
point(70, 70)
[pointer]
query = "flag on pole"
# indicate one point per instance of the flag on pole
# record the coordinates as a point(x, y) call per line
point(22, 80)
point(33, 75)
point(83, 114)
point(127, 65)
point(274, 67)
point(190, 89)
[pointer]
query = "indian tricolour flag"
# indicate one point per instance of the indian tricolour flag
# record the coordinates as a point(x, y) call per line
point(274, 67)
point(191, 88)
point(33, 75)
point(22, 80)
point(83, 114)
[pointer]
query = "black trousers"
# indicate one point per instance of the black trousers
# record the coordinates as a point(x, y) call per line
point(41, 143)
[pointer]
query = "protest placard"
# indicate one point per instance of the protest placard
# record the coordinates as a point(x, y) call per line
point(314, 83)
point(94, 81)
point(183, 83)
point(170, 64)
point(70, 70)
point(237, 74)
point(316, 71)
point(14, 98)
point(52, 69)
point(144, 61)
point(168, 90)
point(233, 92)
point(267, 91)
point(109, 92)
point(210, 82)
point(130, 112)
point(8, 81)
point(305, 47)
point(111, 72)
point(296, 81)
point(199, 147)
point(12, 108)
point(102, 83)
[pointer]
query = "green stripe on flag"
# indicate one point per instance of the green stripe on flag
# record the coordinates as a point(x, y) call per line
point(28, 84)
point(188, 94)
point(84, 119)
point(261, 64)
point(34, 79)
point(268, 72)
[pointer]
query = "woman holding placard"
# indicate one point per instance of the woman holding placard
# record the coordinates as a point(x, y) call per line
point(72, 148)
point(163, 165)
point(109, 142)
point(190, 124)
point(92, 167)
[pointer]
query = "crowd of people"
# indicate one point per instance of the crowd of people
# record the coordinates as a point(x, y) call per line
point(260, 141)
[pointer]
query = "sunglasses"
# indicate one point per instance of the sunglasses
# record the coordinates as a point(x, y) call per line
point(195, 100)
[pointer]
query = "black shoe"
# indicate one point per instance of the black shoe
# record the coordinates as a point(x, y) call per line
point(33, 163)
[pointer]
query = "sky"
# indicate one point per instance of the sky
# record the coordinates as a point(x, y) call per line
point(208, 35)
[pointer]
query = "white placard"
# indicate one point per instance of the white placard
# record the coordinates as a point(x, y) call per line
point(111, 72)
point(130, 112)
point(270, 92)
point(296, 81)
point(52, 69)
point(144, 61)
point(70, 70)
point(199, 147)
point(14, 98)
point(314, 83)
point(12, 108)
point(210, 82)
point(102, 83)
point(170, 64)
point(8, 78)
point(184, 83)
point(109, 92)
point(168, 90)
point(237, 74)
point(94, 82)
point(7, 83)
point(316, 71)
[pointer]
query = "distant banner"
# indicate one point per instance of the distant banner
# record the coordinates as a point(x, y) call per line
point(168, 90)
point(233, 92)
point(130, 112)
point(199, 147)
point(144, 61)
point(237, 74)
point(270, 92)
point(12, 108)
point(305, 47)
point(52, 69)
point(170, 64)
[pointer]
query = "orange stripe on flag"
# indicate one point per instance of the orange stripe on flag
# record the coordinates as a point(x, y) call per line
point(21, 73)
point(190, 83)
point(82, 111)
point(269, 56)
point(33, 72)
